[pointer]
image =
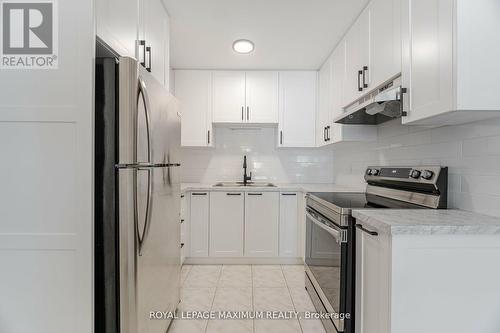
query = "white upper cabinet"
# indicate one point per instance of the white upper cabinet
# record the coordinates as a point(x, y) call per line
point(245, 97)
point(262, 97)
point(324, 112)
point(194, 90)
point(123, 24)
point(385, 42)
point(229, 97)
point(297, 109)
point(331, 88)
point(154, 30)
point(373, 49)
point(450, 57)
point(117, 22)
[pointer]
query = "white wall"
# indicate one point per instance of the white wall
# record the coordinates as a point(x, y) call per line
point(224, 162)
point(471, 151)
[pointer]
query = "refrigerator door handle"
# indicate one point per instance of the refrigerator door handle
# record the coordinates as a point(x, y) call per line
point(142, 236)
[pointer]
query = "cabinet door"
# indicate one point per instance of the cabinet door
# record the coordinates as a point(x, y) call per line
point(353, 76)
point(385, 41)
point(289, 225)
point(194, 90)
point(261, 224)
point(198, 222)
point(427, 63)
point(261, 97)
point(324, 104)
point(156, 32)
point(336, 91)
point(298, 99)
point(372, 283)
point(117, 22)
point(229, 97)
point(184, 222)
point(226, 224)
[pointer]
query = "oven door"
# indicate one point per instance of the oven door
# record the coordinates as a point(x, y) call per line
point(326, 265)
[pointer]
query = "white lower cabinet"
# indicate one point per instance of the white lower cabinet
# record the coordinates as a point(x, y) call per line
point(372, 282)
point(184, 233)
point(289, 224)
point(261, 224)
point(198, 222)
point(227, 210)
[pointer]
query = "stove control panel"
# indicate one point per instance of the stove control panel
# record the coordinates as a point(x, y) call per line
point(422, 174)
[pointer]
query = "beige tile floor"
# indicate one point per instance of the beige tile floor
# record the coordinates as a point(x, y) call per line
point(244, 288)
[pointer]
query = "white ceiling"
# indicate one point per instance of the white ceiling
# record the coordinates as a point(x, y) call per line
point(288, 34)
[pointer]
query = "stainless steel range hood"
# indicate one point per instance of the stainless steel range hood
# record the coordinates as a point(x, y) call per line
point(379, 106)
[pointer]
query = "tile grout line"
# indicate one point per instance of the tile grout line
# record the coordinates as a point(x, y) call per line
point(291, 298)
point(253, 298)
point(215, 293)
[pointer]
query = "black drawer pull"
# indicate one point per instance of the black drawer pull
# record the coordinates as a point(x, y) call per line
point(182, 220)
point(233, 193)
point(182, 245)
point(288, 193)
point(254, 193)
point(360, 227)
point(199, 194)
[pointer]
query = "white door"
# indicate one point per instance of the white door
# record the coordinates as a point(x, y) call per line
point(298, 99)
point(228, 97)
point(198, 224)
point(427, 66)
point(385, 41)
point(47, 188)
point(261, 97)
point(194, 90)
point(324, 105)
point(156, 33)
point(289, 224)
point(117, 22)
point(261, 224)
point(227, 210)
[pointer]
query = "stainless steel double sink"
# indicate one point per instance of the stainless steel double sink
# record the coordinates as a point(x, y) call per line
point(241, 184)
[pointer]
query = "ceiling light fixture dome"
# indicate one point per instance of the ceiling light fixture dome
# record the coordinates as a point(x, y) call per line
point(243, 46)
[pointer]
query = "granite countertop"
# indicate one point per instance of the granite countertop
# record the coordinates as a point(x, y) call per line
point(427, 221)
point(189, 187)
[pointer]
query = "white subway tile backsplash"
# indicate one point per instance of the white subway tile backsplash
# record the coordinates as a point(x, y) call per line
point(224, 162)
point(471, 151)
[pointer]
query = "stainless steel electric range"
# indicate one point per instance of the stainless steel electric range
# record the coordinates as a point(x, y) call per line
point(330, 232)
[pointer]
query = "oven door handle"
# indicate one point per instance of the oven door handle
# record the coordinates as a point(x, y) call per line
point(335, 233)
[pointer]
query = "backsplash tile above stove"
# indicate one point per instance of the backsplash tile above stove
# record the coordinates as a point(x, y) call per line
point(224, 162)
point(471, 151)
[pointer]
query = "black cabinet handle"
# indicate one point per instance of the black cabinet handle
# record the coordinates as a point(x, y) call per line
point(242, 113)
point(281, 137)
point(324, 134)
point(182, 196)
point(360, 227)
point(199, 194)
point(142, 43)
point(254, 193)
point(291, 194)
point(208, 137)
point(248, 113)
point(182, 245)
point(365, 69)
point(148, 50)
point(233, 193)
point(403, 112)
point(359, 80)
point(327, 133)
point(182, 221)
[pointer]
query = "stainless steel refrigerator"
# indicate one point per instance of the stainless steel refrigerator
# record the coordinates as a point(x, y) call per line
point(137, 197)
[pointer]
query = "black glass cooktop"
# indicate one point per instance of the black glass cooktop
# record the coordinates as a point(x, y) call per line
point(353, 200)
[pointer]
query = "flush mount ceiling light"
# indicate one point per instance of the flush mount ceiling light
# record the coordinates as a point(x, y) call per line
point(243, 46)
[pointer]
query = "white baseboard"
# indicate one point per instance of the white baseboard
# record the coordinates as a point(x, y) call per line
point(242, 261)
